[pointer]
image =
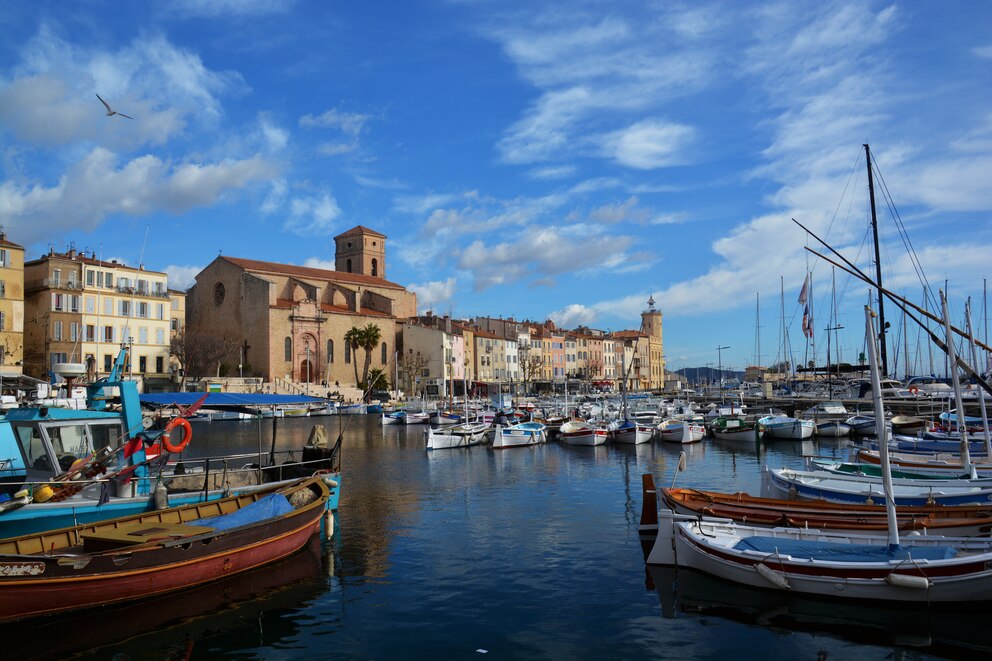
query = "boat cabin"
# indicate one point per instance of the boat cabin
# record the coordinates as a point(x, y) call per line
point(38, 443)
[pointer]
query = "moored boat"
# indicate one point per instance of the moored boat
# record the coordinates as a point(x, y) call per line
point(154, 553)
point(733, 429)
point(786, 427)
point(577, 432)
point(523, 433)
point(456, 436)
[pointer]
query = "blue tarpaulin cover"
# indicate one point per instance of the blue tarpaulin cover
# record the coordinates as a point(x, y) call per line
point(262, 509)
point(831, 551)
point(226, 399)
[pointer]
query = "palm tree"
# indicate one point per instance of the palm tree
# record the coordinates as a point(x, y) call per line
point(353, 338)
point(369, 338)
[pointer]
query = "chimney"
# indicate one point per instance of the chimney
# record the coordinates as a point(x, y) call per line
point(72, 253)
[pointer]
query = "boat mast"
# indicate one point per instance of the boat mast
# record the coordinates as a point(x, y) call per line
point(881, 430)
point(981, 395)
point(878, 265)
point(952, 356)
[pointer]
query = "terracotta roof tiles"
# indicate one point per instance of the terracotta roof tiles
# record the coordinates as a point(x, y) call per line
point(307, 272)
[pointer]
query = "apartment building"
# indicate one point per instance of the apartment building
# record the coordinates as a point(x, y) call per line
point(82, 309)
point(11, 307)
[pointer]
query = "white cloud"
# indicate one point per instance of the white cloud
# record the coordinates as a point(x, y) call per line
point(319, 263)
point(312, 215)
point(98, 186)
point(348, 123)
point(225, 8)
point(50, 97)
point(573, 315)
point(983, 51)
point(649, 144)
point(552, 172)
point(182, 277)
point(275, 137)
point(432, 294)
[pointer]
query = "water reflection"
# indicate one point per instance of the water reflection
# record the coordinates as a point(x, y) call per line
point(946, 632)
point(258, 607)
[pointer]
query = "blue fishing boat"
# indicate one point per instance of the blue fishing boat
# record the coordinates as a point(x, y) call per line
point(63, 467)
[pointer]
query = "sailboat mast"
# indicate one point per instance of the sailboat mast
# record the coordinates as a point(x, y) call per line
point(878, 266)
point(881, 431)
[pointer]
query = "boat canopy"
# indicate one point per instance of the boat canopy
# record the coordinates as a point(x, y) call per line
point(218, 399)
point(833, 552)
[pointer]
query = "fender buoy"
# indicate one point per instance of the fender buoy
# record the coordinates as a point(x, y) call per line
point(913, 390)
point(167, 435)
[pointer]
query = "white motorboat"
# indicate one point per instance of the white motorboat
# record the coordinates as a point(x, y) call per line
point(786, 427)
point(577, 432)
point(457, 436)
point(524, 433)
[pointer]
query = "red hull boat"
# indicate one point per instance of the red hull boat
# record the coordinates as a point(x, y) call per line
point(155, 553)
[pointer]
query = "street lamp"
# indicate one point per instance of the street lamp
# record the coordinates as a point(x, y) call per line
point(719, 358)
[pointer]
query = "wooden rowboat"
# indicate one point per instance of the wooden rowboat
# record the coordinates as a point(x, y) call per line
point(962, 520)
point(154, 553)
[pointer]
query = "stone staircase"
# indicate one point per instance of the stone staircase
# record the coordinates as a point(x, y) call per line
point(282, 386)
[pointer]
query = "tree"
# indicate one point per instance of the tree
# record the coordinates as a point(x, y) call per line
point(354, 340)
point(369, 338)
point(410, 367)
point(199, 352)
point(377, 380)
point(529, 369)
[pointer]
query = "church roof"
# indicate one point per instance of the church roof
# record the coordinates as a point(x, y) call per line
point(359, 230)
point(258, 266)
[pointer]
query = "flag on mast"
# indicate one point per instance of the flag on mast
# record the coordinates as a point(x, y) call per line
point(804, 292)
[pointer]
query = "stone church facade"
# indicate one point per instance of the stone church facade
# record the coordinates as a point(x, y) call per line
point(290, 321)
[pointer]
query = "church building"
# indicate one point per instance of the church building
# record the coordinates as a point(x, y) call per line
point(290, 321)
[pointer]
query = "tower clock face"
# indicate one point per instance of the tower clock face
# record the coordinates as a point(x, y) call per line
point(219, 293)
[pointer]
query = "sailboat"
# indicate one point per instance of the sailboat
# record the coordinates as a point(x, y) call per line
point(839, 565)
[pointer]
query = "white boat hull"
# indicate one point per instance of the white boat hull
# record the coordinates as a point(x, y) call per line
point(508, 437)
point(708, 546)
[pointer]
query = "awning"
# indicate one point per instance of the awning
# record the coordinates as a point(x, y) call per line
point(219, 399)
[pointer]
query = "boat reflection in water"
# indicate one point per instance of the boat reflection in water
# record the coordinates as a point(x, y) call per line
point(943, 631)
point(245, 610)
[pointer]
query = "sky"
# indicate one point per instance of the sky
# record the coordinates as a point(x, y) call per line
point(562, 160)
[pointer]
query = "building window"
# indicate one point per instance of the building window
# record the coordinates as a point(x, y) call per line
point(347, 351)
point(57, 331)
point(57, 278)
point(108, 362)
point(57, 302)
point(3, 321)
point(159, 337)
point(73, 331)
point(90, 303)
point(287, 349)
point(108, 280)
point(142, 364)
point(72, 279)
point(219, 293)
point(3, 258)
point(347, 266)
point(74, 303)
point(383, 358)
point(375, 267)
point(160, 311)
point(125, 307)
point(108, 306)
point(90, 333)
point(159, 365)
point(3, 289)
point(89, 277)
point(330, 351)
point(143, 337)
point(108, 333)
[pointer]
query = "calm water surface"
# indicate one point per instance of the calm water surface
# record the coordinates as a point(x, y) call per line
point(472, 553)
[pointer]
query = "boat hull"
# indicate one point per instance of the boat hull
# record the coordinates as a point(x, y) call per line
point(46, 584)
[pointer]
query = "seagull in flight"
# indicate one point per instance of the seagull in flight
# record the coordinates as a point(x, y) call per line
point(110, 111)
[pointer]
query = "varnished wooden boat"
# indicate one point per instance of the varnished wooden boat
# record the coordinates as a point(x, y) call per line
point(154, 553)
point(962, 520)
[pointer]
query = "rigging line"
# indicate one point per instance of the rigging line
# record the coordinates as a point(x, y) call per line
point(897, 217)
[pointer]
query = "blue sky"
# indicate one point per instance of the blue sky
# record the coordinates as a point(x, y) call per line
point(535, 160)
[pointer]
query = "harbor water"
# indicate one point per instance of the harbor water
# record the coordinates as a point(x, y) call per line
point(523, 553)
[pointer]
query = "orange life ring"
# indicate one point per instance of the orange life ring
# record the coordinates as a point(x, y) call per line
point(187, 435)
point(913, 390)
